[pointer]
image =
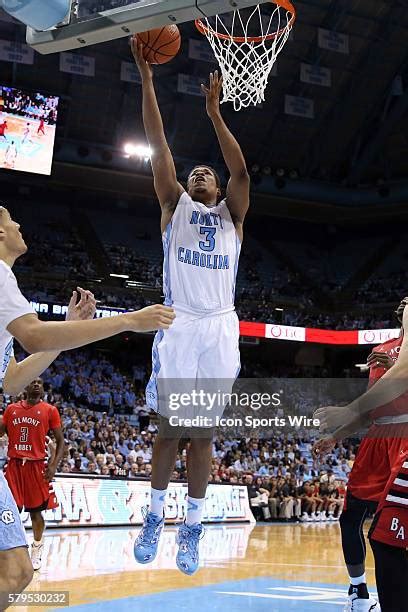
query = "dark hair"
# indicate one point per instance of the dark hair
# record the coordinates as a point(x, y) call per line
point(217, 178)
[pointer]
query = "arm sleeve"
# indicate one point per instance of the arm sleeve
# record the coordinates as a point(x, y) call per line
point(54, 418)
point(12, 302)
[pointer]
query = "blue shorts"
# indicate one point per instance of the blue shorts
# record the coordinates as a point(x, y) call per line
point(12, 533)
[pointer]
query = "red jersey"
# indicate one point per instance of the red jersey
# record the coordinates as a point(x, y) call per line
point(27, 427)
point(3, 128)
point(399, 405)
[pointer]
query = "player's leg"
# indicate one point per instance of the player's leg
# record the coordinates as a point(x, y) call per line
point(354, 547)
point(391, 572)
point(38, 497)
point(199, 456)
point(319, 507)
point(38, 525)
point(287, 510)
point(339, 508)
point(306, 508)
point(366, 484)
point(163, 460)
point(16, 570)
point(273, 507)
point(171, 356)
point(218, 367)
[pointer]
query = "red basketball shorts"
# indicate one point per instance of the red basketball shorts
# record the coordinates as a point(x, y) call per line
point(390, 524)
point(376, 457)
point(29, 488)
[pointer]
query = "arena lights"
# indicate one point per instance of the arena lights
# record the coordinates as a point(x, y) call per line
point(119, 275)
point(133, 150)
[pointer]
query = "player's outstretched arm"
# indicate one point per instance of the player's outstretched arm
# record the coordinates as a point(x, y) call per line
point(238, 184)
point(167, 187)
point(36, 336)
point(391, 386)
point(19, 375)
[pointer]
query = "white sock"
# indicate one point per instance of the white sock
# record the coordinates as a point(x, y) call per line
point(157, 501)
point(358, 580)
point(38, 542)
point(194, 510)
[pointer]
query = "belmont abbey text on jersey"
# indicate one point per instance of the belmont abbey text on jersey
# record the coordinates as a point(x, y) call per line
point(27, 426)
point(201, 254)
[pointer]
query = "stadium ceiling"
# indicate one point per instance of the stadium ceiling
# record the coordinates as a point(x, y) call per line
point(359, 130)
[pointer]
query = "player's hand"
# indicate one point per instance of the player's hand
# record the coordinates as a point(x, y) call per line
point(380, 360)
point(51, 448)
point(334, 417)
point(323, 447)
point(50, 472)
point(212, 94)
point(84, 309)
point(145, 69)
point(151, 318)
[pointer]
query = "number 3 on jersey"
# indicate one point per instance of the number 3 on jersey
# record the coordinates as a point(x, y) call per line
point(209, 243)
point(24, 434)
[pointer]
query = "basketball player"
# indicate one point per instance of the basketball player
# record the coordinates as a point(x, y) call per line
point(28, 475)
point(202, 239)
point(370, 473)
point(26, 135)
point(41, 127)
point(389, 541)
point(387, 439)
point(17, 319)
point(11, 155)
point(3, 128)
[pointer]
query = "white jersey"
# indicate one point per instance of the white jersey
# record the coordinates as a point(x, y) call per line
point(12, 306)
point(201, 254)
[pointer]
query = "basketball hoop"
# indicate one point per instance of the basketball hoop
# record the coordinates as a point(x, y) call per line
point(246, 44)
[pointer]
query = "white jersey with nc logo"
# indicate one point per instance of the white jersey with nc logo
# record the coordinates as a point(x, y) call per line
point(201, 254)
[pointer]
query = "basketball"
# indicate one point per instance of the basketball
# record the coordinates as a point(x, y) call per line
point(161, 44)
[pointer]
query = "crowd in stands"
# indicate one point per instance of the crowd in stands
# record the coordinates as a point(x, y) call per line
point(64, 254)
point(256, 299)
point(379, 289)
point(31, 106)
point(126, 261)
point(282, 479)
point(247, 310)
point(94, 382)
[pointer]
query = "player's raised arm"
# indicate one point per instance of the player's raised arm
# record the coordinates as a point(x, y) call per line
point(168, 189)
point(238, 184)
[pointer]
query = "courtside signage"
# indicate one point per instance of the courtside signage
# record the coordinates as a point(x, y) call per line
point(108, 501)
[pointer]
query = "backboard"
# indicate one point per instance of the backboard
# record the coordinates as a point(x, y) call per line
point(95, 21)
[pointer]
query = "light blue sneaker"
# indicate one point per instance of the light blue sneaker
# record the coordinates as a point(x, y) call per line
point(188, 538)
point(145, 548)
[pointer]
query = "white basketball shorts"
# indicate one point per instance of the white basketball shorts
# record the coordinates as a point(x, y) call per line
point(195, 364)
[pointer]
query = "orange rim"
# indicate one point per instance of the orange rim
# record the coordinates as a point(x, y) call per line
point(285, 4)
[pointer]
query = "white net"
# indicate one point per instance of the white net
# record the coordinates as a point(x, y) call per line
point(246, 44)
